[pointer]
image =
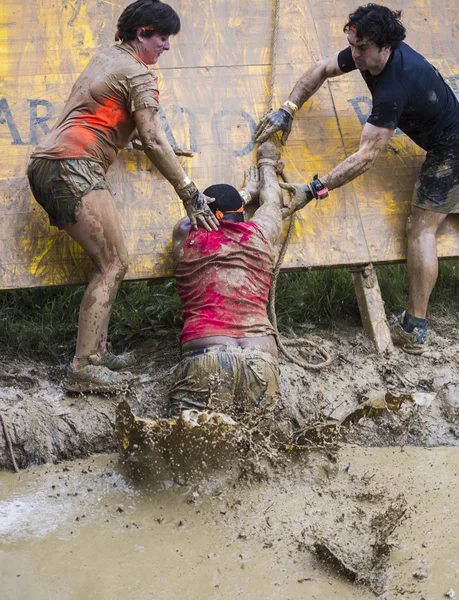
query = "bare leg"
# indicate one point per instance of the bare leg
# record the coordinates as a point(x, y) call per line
point(98, 232)
point(422, 226)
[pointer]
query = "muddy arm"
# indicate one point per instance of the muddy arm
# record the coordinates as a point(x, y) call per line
point(305, 87)
point(372, 141)
point(269, 215)
point(312, 80)
point(179, 235)
point(157, 147)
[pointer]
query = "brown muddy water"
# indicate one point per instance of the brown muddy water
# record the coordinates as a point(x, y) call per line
point(86, 530)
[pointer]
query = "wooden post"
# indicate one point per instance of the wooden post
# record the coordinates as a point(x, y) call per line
point(371, 306)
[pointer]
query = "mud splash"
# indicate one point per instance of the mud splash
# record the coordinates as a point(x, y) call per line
point(86, 530)
point(46, 425)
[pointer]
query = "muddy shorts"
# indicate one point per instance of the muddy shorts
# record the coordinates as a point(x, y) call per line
point(59, 186)
point(437, 187)
point(236, 381)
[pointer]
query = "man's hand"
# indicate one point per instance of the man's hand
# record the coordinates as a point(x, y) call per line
point(301, 194)
point(197, 209)
point(279, 120)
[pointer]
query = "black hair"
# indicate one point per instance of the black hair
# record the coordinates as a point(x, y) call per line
point(378, 23)
point(227, 199)
point(161, 16)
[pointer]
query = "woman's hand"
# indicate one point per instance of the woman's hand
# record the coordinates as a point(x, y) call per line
point(197, 209)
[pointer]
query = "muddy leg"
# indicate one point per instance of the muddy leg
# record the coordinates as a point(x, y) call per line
point(98, 232)
point(422, 227)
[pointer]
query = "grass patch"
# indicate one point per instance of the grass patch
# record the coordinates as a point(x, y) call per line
point(42, 323)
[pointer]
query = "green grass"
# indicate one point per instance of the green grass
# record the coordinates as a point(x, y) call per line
point(42, 323)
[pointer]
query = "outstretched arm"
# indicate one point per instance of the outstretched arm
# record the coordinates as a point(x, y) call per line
point(372, 141)
point(269, 216)
point(305, 87)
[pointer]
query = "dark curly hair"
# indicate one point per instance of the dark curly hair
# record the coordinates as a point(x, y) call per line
point(378, 23)
point(160, 16)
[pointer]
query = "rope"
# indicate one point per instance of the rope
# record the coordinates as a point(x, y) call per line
point(297, 342)
point(274, 55)
point(8, 441)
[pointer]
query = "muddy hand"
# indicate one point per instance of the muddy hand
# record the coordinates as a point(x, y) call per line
point(301, 194)
point(251, 185)
point(199, 212)
point(279, 120)
point(181, 152)
point(196, 206)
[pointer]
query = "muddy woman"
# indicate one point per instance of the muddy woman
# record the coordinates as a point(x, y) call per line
point(114, 99)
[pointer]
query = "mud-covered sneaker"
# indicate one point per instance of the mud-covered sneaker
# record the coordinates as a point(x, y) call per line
point(114, 362)
point(91, 378)
point(414, 342)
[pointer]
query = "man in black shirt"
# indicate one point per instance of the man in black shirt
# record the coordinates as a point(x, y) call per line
point(409, 93)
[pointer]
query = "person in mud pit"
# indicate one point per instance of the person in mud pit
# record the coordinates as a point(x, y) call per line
point(408, 93)
point(115, 99)
point(229, 351)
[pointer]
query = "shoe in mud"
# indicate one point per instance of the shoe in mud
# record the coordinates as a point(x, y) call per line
point(114, 362)
point(414, 342)
point(93, 378)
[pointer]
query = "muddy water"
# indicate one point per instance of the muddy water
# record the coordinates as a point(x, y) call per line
point(86, 530)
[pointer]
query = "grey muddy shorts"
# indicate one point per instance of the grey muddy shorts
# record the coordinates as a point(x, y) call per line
point(227, 379)
point(59, 186)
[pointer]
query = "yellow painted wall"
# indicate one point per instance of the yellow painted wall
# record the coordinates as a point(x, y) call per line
point(214, 86)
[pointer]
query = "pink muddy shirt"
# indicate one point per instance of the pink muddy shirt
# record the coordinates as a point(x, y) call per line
point(223, 279)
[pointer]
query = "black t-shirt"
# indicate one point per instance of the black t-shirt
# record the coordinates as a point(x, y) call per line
point(410, 94)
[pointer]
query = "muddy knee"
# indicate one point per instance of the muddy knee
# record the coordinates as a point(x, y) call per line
point(113, 269)
point(125, 261)
point(415, 229)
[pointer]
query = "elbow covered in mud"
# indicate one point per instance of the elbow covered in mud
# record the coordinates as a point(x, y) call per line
point(368, 159)
point(153, 146)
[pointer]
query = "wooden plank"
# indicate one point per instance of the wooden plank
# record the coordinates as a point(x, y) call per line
point(371, 307)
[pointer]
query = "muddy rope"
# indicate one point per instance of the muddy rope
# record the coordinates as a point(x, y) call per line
point(9, 444)
point(299, 343)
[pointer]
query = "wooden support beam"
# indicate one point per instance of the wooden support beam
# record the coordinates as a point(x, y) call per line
point(371, 306)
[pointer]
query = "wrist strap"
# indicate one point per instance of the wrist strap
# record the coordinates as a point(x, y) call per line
point(267, 161)
point(291, 105)
point(182, 184)
point(318, 189)
point(246, 197)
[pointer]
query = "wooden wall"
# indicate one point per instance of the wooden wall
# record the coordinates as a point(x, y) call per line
point(214, 86)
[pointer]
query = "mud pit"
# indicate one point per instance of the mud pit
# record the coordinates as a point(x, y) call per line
point(339, 519)
point(84, 530)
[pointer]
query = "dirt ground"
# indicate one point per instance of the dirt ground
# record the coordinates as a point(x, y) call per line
point(355, 489)
point(46, 425)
